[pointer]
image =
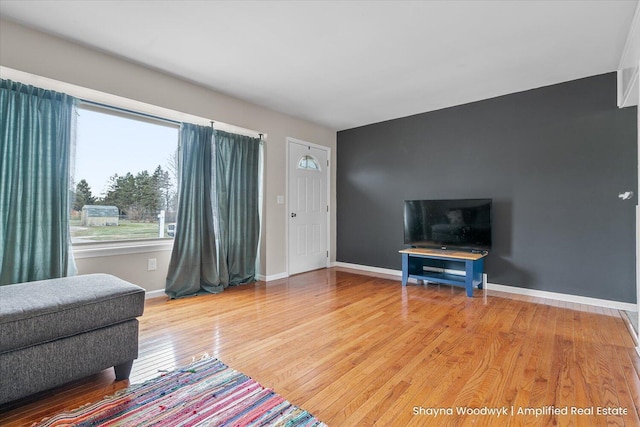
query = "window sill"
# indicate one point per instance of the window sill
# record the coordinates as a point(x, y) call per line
point(123, 247)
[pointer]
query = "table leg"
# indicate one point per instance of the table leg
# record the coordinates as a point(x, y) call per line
point(405, 269)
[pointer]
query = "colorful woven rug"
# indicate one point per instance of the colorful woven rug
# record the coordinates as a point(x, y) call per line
point(207, 393)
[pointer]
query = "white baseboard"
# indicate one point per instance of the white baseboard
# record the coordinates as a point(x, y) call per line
point(272, 277)
point(160, 292)
point(370, 269)
point(619, 305)
point(154, 294)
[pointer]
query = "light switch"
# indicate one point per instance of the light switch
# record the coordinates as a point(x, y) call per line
point(280, 200)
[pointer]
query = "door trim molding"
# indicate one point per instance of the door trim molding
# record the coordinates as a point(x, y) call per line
point(286, 204)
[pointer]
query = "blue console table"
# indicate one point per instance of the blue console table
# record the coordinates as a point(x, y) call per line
point(431, 265)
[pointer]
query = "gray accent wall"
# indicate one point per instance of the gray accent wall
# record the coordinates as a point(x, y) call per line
point(553, 160)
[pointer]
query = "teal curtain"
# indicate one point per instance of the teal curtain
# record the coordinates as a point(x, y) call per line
point(36, 132)
point(218, 225)
point(193, 268)
point(237, 195)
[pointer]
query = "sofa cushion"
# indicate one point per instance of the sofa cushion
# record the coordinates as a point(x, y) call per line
point(37, 312)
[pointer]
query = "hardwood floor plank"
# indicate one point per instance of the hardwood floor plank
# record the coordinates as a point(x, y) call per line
point(627, 361)
point(356, 349)
point(581, 391)
point(565, 391)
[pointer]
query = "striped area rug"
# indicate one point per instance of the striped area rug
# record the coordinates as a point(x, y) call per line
point(207, 393)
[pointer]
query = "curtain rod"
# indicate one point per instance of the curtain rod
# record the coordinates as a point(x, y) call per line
point(131, 112)
point(153, 117)
point(111, 102)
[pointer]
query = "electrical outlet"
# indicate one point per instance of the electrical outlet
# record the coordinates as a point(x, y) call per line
point(152, 264)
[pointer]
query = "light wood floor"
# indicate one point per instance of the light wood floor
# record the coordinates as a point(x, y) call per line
point(357, 350)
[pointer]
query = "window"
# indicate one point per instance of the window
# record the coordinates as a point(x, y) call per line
point(308, 162)
point(125, 179)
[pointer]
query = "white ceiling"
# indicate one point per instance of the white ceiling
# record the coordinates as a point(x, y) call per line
point(345, 64)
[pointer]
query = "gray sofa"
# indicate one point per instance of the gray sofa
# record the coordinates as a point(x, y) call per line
point(59, 330)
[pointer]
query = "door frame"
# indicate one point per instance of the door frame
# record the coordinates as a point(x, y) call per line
point(286, 205)
point(637, 331)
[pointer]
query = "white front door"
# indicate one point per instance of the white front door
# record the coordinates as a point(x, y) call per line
point(308, 209)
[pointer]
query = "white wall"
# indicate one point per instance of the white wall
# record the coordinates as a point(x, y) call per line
point(34, 52)
point(130, 267)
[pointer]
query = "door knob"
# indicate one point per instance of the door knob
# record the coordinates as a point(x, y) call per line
point(293, 215)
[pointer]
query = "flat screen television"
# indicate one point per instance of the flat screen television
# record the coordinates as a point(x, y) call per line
point(461, 224)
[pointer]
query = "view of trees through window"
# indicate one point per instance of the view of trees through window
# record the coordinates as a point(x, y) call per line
point(125, 178)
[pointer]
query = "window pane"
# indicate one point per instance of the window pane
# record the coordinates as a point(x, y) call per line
point(126, 175)
point(308, 162)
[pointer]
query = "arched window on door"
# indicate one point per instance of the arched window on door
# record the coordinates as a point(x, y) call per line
point(308, 162)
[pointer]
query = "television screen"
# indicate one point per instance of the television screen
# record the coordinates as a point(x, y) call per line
point(448, 224)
